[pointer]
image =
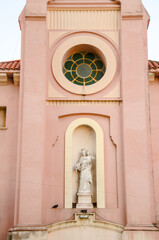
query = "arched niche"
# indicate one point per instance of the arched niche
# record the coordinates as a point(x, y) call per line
point(84, 137)
point(70, 150)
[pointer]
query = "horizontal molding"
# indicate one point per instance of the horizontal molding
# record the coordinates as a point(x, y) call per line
point(82, 103)
point(132, 17)
point(83, 3)
point(35, 18)
point(140, 227)
point(83, 19)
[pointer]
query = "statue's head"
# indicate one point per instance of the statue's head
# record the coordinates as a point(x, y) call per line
point(88, 153)
point(83, 151)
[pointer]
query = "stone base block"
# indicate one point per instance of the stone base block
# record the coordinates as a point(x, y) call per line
point(28, 233)
point(140, 233)
point(84, 200)
point(84, 225)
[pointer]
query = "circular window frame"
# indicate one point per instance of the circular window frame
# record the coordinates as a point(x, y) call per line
point(90, 42)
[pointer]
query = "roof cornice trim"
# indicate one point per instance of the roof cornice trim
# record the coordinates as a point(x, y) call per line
point(81, 4)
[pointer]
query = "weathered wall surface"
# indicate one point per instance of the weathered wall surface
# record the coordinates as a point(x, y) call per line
point(49, 103)
point(154, 117)
point(9, 97)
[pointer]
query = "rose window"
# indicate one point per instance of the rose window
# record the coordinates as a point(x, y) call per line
point(84, 68)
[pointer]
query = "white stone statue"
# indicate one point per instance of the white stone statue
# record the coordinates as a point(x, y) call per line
point(84, 166)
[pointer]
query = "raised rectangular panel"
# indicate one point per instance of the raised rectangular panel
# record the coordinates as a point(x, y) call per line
point(83, 19)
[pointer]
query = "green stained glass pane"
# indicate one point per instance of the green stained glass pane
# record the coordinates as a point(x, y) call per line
point(99, 64)
point(74, 66)
point(88, 79)
point(90, 56)
point(69, 76)
point(93, 74)
point(68, 65)
point(87, 61)
point(98, 58)
point(78, 83)
point(74, 74)
point(77, 56)
point(90, 83)
point(79, 62)
point(99, 75)
point(84, 68)
point(93, 66)
point(80, 79)
point(103, 69)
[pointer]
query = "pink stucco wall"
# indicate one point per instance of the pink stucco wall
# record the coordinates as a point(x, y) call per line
point(9, 97)
point(154, 116)
point(33, 158)
point(58, 119)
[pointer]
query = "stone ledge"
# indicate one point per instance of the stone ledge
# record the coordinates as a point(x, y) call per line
point(148, 227)
point(3, 128)
point(27, 228)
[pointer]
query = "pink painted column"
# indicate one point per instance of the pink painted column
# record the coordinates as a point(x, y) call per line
point(138, 169)
point(31, 139)
point(154, 107)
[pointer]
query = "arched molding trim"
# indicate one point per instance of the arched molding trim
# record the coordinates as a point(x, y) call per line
point(78, 222)
point(100, 186)
point(82, 113)
point(113, 139)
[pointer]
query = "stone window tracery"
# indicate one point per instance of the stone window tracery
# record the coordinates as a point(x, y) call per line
point(84, 68)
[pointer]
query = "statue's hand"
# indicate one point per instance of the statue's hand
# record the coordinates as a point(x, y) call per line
point(75, 168)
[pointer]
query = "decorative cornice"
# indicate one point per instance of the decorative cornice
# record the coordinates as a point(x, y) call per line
point(83, 4)
point(3, 79)
point(82, 103)
point(71, 19)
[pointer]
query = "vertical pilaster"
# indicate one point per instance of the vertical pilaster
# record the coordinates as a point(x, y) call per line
point(31, 141)
point(138, 169)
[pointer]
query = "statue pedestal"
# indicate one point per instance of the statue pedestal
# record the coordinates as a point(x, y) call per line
point(84, 200)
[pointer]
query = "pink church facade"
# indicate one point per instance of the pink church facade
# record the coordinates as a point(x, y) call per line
point(83, 82)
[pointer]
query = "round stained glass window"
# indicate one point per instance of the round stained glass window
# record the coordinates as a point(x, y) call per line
point(84, 68)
